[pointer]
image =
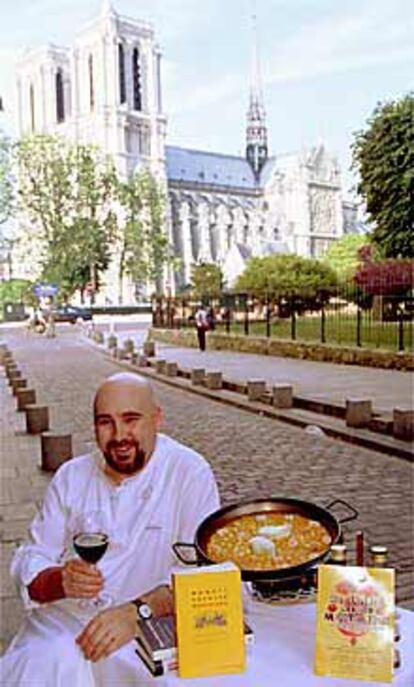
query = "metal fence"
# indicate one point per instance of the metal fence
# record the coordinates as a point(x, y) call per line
point(347, 319)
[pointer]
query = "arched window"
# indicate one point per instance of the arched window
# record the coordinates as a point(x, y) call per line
point(91, 86)
point(32, 108)
point(136, 79)
point(121, 73)
point(60, 100)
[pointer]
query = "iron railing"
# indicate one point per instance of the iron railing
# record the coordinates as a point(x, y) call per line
point(346, 319)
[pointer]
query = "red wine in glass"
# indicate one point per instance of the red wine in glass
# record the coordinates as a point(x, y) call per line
point(90, 546)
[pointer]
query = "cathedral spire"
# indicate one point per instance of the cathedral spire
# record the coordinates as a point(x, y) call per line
point(107, 8)
point(256, 131)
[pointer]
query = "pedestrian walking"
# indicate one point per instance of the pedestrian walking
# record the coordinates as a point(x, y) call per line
point(201, 322)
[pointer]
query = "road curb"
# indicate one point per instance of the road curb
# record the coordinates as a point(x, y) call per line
point(295, 416)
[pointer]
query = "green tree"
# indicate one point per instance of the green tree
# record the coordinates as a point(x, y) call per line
point(16, 291)
point(343, 256)
point(275, 276)
point(6, 183)
point(144, 245)
point(384, 156)
point(65, 193)
point(206, 280)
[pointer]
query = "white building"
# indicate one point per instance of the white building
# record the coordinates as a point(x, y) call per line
point(106, 89)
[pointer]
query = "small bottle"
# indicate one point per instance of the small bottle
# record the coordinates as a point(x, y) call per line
point(379, 556)
point(337, 554)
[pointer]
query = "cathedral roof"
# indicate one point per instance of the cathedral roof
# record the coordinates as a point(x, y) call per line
point(215, 169)
point(267, 171)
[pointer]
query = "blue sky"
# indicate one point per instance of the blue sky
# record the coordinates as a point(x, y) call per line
point(325, 64)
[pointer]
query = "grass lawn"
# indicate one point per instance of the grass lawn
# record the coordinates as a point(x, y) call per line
point(339, 329)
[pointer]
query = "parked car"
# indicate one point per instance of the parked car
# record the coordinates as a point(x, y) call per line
point(71, 313)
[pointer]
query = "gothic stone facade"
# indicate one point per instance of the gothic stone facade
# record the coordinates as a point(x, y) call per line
point(106, 89)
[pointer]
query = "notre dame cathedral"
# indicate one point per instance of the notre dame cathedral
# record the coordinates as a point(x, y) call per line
point(106, 89)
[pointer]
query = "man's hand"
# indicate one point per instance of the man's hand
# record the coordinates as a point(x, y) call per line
point(160, 600)
point(81, 580)
point(108, 631)
point(75, 579)
point(114, 627)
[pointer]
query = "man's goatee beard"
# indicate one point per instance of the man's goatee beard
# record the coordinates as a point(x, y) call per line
point(130, 468)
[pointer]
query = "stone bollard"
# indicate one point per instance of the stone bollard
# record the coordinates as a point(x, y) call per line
point(149, 348)
point(14, 374)
point(56, 449)
point(129, 346)
point(160, 366)
point(98, 337)
point(171, 369)
point(256, 388)
point(37, 419)
point(11, 367)
point(282, 396)
point(214, 380)
point(403, 423)
point(112, 341)
point(197, 376)
point(134, 358)
point(142, 360)
point(358, 412)
point(25, 397)
point(18, 384)
point(4, 352)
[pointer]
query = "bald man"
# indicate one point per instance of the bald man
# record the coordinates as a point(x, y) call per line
point(153, 492)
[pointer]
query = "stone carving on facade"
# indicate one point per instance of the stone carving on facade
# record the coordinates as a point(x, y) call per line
point(322, 210)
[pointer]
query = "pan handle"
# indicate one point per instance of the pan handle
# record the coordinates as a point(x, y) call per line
point(181, 557)
point(354, 512)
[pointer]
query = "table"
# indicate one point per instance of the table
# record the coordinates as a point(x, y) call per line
point(283, 653)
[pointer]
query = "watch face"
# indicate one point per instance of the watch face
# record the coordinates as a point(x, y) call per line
point(145, 611)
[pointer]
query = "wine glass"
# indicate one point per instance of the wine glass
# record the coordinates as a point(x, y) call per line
point(90, 541)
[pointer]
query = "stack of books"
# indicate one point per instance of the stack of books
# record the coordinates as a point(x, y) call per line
point(157, 643)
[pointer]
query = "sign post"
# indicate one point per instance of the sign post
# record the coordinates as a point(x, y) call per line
point(45, 290)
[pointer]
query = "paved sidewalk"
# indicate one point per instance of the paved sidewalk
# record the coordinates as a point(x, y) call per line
point(388, 389)
point(252, 456)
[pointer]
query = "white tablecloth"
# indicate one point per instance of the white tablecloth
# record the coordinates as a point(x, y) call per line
point(283, 653)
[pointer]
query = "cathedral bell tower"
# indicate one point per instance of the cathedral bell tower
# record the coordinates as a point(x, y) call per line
point(256, 131)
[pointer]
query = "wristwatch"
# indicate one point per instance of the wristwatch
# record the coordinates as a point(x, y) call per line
point(144, 611)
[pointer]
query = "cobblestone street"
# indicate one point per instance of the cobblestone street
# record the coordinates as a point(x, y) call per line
point(251, 456)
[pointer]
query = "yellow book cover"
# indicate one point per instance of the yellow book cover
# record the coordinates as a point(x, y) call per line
point(355, 622)
point(209, 617)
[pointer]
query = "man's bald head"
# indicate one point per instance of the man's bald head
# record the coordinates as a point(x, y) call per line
point(126, 417)
point(128, 380)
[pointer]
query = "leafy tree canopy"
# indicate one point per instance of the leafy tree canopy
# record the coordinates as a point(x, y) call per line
point(6, 183)
point(282, 275)
point(343, 255)
point(65, 193)
point(144, 245)
point(206, 280)
point(387, 277)
point(384, 156)
point(16, 291)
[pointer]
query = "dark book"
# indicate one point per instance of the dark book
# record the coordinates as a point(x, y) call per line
point(156, 643)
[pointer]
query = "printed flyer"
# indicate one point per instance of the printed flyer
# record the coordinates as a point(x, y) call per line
point(355, 623)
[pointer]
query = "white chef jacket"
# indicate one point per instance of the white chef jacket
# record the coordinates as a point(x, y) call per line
point(147, 513)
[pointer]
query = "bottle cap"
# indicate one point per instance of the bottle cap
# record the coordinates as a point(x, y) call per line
point(338, 553)
point(379, 554)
